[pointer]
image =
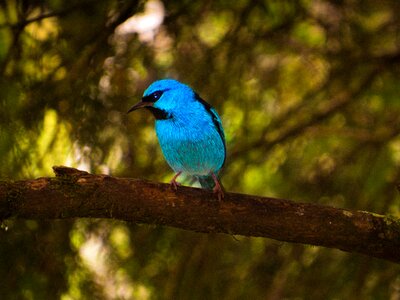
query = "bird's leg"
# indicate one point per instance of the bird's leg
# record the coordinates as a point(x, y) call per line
point(173, 181)
point(217, 188)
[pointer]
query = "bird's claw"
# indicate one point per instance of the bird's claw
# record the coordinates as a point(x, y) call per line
point(174, 184)
point(217, 188)
point(220, 193)
point(173, 181)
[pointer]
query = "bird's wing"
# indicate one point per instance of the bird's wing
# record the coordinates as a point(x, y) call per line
point(216, 121)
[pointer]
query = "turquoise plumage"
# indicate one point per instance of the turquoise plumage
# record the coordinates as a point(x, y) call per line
point(189, 131)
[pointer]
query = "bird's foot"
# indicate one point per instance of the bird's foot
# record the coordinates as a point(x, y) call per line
point(175, 184)
point(217, 188)
point(173, 181)
point(220, 193)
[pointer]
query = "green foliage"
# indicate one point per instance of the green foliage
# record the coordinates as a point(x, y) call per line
point(309, 96)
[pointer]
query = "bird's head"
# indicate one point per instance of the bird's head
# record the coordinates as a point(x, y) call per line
point(165, 96)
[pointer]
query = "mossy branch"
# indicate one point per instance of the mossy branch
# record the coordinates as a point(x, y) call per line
point(78, 194)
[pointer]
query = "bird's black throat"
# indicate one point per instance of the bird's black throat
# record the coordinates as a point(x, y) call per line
point(159, 114)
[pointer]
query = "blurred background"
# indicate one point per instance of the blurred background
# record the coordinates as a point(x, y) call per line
point(309, 95)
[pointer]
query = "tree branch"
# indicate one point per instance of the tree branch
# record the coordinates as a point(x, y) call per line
point(77, 194)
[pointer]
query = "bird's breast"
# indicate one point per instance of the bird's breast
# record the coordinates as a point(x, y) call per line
point(190, 146)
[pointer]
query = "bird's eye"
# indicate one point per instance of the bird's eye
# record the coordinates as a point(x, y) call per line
point(153, 97)
point(156, 95)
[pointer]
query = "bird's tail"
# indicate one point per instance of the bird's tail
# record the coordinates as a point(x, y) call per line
point(207, 182)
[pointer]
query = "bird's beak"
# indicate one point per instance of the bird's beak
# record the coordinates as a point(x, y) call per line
point(140, 104)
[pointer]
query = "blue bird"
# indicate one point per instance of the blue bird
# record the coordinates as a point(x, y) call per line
point(189, 131)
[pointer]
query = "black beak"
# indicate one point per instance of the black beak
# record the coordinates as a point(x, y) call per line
point(140, 104)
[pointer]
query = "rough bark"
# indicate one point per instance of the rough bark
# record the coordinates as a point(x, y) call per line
point(77, 194)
